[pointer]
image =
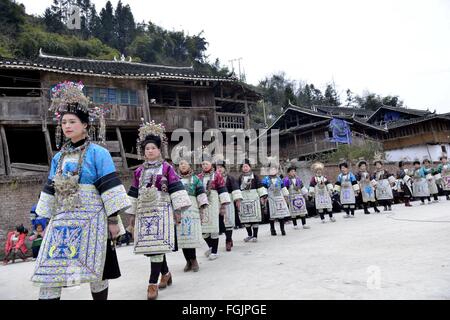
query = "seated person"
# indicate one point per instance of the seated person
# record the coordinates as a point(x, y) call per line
point(15, 245)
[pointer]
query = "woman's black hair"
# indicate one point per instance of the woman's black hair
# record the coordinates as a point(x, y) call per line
point(20, 229)
point(343, 164)
point(416, 162)
point(247, 162)
point(361, 163)
point(220, 164)
point(156, 140)
point(291, 168)
point(73, 109)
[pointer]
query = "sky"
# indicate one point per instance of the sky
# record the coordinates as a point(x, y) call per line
point(387, 47)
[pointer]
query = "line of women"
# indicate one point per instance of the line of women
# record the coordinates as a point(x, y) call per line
point(171, 208)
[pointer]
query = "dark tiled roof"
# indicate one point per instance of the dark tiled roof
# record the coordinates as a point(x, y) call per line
point(407, 122)
point(107, 68)
point(307, 111)
point(414, 112)
point(369, 125)
point(335, 110)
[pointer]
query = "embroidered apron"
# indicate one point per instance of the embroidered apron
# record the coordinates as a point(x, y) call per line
point(73, 250)
point(189, 231)
point(154, 222)
point(322, 198)
point(277, 204)
point(296, 201)
point(432, 186)
point(229, 217)
point(445, 174)
point(367, 191)
point(420, 187)
point(347, 195)
point(250, 210)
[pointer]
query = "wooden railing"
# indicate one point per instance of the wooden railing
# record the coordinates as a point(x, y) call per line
point(230, 121)
point(20, 108)
point(307, 149)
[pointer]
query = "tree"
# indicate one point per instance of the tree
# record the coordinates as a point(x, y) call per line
point(106, 33)
point(124, 26)
point(369, 101)
point(52, 21)
point(316, 95)
point(331, 96)
point(392, 101)
point(304, 95)
point(94, 23)
point(12, 16)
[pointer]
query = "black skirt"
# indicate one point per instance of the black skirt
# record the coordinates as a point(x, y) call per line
point(111, 269)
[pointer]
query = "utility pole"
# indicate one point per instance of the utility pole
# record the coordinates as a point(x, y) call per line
point(239, 66)
point(264, 111)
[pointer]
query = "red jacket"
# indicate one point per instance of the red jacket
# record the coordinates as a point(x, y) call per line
point(20, 244)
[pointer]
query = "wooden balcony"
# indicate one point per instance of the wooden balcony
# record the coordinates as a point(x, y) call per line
point(230, 121)
point(26, 109)
point(303, 150)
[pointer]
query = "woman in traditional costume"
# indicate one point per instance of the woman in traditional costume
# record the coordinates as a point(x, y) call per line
point(218, 199)
point(158, 198)
point(277, 195)
point(348, 187)
point(431, 173)
point(443, 170)
point(82, 198)
point(383, 182)
point(404, 186)
point(189, 231)
point(296, 199)
point(320, 188)
point(254, 194)
point(227, 220)
point(366, 187)
point(420, 184)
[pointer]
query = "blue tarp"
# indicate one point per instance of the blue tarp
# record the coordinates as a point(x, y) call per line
point(391, 116)
point(341, 131)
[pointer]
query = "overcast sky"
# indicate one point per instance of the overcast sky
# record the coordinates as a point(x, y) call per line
point(399, 47)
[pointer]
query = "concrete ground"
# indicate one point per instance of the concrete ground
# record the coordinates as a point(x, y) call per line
point(403, 254)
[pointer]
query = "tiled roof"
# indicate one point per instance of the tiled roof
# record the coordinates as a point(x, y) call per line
point(107, 68)
point(335, 110)
point(414, 112)
point(407, 122)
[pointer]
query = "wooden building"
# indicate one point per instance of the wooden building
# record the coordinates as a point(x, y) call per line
point(305, 132)
point(412, 133)
point(176, 96)
point(404, 134)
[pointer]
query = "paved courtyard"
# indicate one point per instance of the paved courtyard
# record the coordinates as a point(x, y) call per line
point(403, 254)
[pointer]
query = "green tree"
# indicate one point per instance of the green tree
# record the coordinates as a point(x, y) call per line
point(12, 17)
point(124, 26)
point(331, 97)
point(106, 33)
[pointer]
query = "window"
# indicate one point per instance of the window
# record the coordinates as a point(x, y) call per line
point(111, 95)
point(127, 97)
